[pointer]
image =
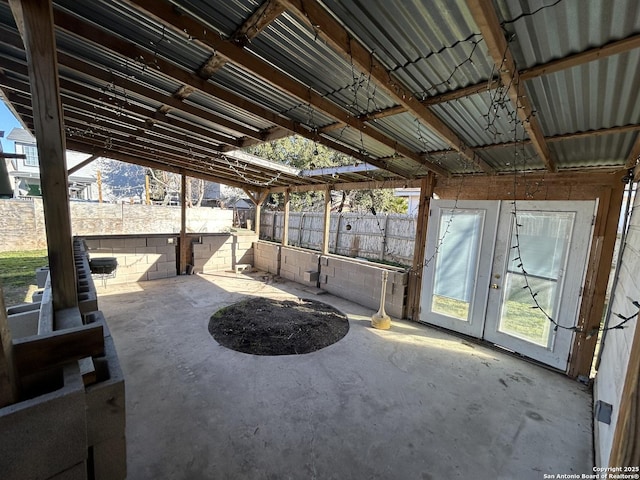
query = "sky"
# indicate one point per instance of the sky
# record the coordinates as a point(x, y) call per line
point(7, 123)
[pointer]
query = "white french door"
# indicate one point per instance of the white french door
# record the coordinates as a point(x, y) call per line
point(474, 279)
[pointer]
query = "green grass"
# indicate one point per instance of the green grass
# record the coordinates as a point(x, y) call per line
point(18, 273)
point(520, 319)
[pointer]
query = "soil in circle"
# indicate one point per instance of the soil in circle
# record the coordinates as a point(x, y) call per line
point(263, 326)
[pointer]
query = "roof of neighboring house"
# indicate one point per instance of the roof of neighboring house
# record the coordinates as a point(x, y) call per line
point(21, 135)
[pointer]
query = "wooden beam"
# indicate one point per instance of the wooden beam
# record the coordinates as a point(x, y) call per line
point(36, 18)
point(257, 199)
point(252, 26)
point(486, 18)
point(183, 223)
point(184, 25)
point(363, 185)
point(41, 352)
point(311, 12)
point(634, 155)
point(130, 50)
point(8, 384)
point(597, 277)
point(636, 173)
point(327, 221)
point(87, 147)
point(285, 222)
point(427, 185)
point(83, 164)
point(12, 155)
point(625, 448)
point(598, 53)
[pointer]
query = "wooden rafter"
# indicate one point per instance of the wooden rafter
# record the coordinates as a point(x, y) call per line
point(311, 12)
point(258, 21)
point(184, 25)
point(131, 50)
point(634, 155)
point(597, 53)
point(486, 18)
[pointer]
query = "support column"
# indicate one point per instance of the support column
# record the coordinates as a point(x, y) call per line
point(257, 199)
point(183, 224)
point(327, 221)
point(285, 223)
point(35, 22)
point(427, 185)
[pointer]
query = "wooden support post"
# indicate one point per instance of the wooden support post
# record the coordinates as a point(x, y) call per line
point(285, 223)
point(625, 449)
point(327, 221)
point(35, 21)
point(183, 223)
point(147, 193)
point(99, 182)
point(8, 386)
point(415, 275)
point(257, 199)
point(597, 279)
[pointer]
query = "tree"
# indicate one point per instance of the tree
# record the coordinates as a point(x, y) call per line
point(305, 154)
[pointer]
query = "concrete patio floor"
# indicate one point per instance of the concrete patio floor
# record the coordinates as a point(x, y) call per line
point(408, 403)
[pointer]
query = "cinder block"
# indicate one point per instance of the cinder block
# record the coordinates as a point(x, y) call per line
point(157, 241)
point(133, 242)
point(310, 276)
point(156, 275)
point(112, 242)
point(143, 250)
point(166, 266)
point(105, 399)
point(45, 435)
point(110, 459)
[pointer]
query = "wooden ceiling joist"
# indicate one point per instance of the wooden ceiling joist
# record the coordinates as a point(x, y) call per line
point(311, 12)
point(182, 24)
point(132, 51)
point(634, 155)
point(258, 21)
point(486, 18)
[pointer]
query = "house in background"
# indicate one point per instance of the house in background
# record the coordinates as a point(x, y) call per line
point(24, 173)
point(413, 198)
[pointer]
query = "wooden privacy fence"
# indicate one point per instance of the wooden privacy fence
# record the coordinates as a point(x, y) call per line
point(389, 238)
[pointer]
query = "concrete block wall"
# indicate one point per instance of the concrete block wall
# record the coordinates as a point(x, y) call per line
point(23, 221)
point(218, 252)
point(46, 437)
point(267, 257)
point(106, 410)
point(362, 283)
point(140, 257)
point(297, 263)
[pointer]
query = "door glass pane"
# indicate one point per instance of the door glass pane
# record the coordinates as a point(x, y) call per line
point(459, 237)
point(544, 239)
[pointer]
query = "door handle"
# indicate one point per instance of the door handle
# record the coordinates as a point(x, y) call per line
point(495, 286)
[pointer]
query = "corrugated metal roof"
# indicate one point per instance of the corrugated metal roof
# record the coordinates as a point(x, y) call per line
point(595, 95)
point(600, 151)
point(557, 29)
point(409, 131)
point(428, 46)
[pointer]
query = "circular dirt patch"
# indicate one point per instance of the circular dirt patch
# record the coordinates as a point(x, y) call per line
point(262, 326)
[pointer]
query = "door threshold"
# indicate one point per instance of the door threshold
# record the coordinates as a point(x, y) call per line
point(493, 346)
